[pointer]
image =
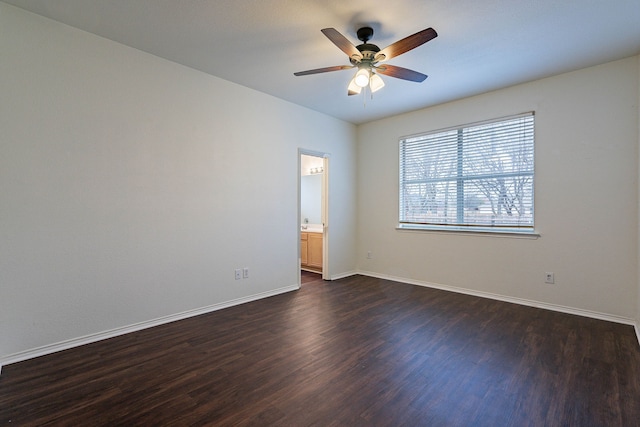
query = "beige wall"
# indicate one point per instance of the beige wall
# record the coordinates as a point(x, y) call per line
point(586, 197)
point(132, 187)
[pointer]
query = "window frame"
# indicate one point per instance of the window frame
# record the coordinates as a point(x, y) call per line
point(461, 225)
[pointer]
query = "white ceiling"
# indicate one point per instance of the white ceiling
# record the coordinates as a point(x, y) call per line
point(482, 45)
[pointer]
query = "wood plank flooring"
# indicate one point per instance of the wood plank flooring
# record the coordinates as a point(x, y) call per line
point(308, 276)
point(353, 352)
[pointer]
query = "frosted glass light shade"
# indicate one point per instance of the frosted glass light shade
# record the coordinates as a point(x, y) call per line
point(362, 77)
point(376, 82)
point(353, 88)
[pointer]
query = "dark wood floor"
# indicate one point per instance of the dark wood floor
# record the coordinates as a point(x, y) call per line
point(308, 276)
point(353, 352)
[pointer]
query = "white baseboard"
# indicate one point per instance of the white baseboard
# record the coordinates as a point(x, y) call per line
point(343, 275)
point(87, 339)
point(514, 300)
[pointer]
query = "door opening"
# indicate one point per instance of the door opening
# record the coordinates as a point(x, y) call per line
point(313, 230)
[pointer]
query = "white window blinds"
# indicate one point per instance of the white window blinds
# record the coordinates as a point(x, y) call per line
point(476, 176)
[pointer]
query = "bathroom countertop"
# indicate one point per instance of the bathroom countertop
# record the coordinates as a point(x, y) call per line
point(312, 229)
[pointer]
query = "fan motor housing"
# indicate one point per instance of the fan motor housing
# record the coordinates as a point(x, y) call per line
point(368, 47)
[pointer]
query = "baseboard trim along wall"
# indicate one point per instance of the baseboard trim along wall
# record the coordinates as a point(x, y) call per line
point(88, 339)
point(521, 301)
point(343, 275)
point(76, 342)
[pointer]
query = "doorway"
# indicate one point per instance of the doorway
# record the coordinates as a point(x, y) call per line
point(313, 229)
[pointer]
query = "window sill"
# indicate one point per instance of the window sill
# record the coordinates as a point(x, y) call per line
point(468, 231)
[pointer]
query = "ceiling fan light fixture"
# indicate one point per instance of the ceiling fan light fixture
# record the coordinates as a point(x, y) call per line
point(353, 88)
point(362, 77)
point(375, 82)
point(366, 56)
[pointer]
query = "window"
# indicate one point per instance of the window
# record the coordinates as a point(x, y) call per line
point(477, 177)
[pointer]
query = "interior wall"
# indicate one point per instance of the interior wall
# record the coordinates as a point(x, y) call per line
point(586, 197)
point(638, 118)
point(311, 198)
point(131, 187)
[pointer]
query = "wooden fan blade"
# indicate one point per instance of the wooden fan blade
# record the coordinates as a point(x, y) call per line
point(401, 73)
point(342, 42)
point(323, 70)
point(406, 44)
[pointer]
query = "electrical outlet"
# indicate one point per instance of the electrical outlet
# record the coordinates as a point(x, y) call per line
point(238, 274)
point(245, 273)
point(549, 277)
point(369, 256)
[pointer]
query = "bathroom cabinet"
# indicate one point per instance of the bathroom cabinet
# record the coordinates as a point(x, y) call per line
point(304, 244)
point(311, 250)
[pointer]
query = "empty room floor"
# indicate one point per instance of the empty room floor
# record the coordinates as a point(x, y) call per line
point(358, 351)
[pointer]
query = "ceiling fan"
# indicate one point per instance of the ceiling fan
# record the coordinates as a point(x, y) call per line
point(366, 57)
